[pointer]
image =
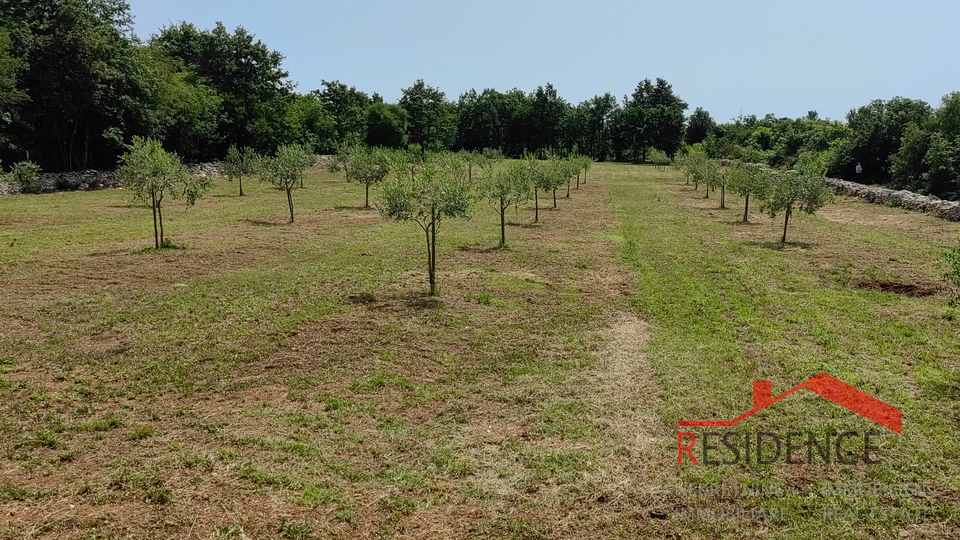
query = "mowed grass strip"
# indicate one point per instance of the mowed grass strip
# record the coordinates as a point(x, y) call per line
point(728, 307)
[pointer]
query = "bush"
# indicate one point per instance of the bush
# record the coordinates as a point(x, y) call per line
point(24, 175)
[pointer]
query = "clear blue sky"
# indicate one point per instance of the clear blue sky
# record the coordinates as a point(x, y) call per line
point(749, 56)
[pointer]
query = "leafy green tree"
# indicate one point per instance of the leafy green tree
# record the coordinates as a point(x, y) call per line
point(876, 131)
point(10, 95)
point(368, 166)
point(801, 188)
point(699, 126)
point(432, 122)
point(545, 119)
point(928, 160)
point(247, 76)
point(150, 173)
point(240, 163)
point(598, 113)
point(348, 107)
point(309, 124)
point(180, 111)
point(439, 190)
point(505, 186)
point(652, 117)
point(81, 80)
point(748, 179)
point(286, 169)
point(387, 125)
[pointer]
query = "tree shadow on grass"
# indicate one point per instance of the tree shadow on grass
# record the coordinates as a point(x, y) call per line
point(780, 247)
point(524, 225)
point(481, 249)
point(741, 222)
point(262, 223)
point(360, 208)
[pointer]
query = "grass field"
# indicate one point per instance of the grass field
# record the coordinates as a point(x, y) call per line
point(274, 380)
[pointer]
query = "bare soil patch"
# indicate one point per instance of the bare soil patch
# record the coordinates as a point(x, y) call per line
point(905, 289)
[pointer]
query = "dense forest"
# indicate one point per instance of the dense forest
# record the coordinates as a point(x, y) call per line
point(76, 85)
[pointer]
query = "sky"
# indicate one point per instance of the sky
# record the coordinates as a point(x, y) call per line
point(733, 57)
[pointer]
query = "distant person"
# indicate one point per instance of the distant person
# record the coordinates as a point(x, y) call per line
point(859, 170)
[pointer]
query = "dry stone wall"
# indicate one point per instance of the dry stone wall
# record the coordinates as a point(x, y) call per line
point(949, 210)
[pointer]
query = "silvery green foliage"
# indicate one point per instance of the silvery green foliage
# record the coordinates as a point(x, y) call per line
point(433, 189)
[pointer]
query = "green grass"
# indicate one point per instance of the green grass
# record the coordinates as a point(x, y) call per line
point(728, 311)
point(302, 365)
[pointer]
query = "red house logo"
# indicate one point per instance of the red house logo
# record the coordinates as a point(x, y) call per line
point(824, 385)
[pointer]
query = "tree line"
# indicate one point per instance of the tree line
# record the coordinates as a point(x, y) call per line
point(903, 143)
point(76, 87)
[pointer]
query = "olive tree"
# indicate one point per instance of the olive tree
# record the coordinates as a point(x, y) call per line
point(503, 187)
point(240, 163)
point(705, 171)
point(540, 178)
point(557, 173)
point(746, 179)
point(694, 166)
point(439, 189)
point(286, 169)
point(801, 188)
point(368, 166)
point(151, 173)
point(582, 163)
point(659, 159)
point(952, 259)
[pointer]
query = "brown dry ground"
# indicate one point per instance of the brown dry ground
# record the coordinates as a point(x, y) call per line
point(517, 404)
point(293, 381)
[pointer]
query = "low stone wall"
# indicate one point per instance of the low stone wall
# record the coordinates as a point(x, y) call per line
point(87, 180)
point(949, 210)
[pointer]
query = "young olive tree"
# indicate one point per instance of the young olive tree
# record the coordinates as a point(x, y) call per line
point(439, 189)
point(680, 164)
point(557, 171)
point(539, 178)
point(659, 159)
point(240, 163)
point(581, 163)
point(286, 169)
point(746, 179)
point(151, 173)
point(706, 171)
point(503, 187)
point(368, 166)
point(343, 156)
point(801, 188)
point(694, 164)
point(470, 159)
point(951, 258)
